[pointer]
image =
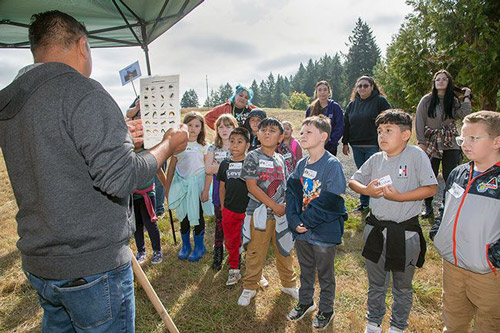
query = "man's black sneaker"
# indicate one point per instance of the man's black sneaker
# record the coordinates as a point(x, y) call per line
point(360, 208)
point(322, 320)
point(299, 311)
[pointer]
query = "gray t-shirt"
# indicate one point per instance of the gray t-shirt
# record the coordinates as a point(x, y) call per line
point(271, 176)
point(409, 170)
point(220, 154)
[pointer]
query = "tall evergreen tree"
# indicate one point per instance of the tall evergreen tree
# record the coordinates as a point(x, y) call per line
point(310, 79)
point(271, 85)
point(189, 99)
point(279, 92)
point(257, 98)
point(225, 92)
point(264, 94)
point(362, 56)
point(298, 79)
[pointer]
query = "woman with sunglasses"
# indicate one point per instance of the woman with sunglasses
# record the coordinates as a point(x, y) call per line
point(367, 101)
point(239, 105)
point(435, 126)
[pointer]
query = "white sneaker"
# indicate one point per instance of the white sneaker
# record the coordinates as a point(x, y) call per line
point(263, 282)
point(246, 297)
point(233, 277)
point(292, 291)
point(372, 328)
point(393, 329)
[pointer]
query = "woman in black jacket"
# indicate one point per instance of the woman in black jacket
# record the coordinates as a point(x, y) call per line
point(367, 101)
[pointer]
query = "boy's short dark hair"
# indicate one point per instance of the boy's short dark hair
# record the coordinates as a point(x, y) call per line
point(396, 117)
point(491, 119)
point(54, 28)
point(321, 122)
point(271, 122)
point(241, 131)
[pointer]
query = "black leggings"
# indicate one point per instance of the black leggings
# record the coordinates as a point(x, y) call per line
point(142, 219)
point(197, 229)
point(450, 160)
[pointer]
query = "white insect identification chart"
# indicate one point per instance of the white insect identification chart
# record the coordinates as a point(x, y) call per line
point(160, 108)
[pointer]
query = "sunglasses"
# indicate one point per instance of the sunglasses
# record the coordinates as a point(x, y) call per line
point(364, 86)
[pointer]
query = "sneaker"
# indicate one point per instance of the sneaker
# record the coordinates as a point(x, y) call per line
point(292, 291)
point(233, 277)
point(394, 329)
point(372, 328)
point(360, 208)
point(299, 311)
point(141, 257)
point(263, 282)
point(322, 320)
point(246, 297)
point(157, 257)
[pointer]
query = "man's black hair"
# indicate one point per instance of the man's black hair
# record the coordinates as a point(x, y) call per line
point(241, 131)
point(271, 122)
point(54, 28)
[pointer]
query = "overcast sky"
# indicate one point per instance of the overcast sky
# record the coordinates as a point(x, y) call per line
point(237, 41)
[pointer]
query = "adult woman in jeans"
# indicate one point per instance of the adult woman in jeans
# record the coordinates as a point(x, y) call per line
point(367, 101)
point(435, 126)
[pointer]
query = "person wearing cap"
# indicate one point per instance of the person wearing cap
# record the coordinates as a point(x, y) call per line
point(252, 125)
point(239, 105)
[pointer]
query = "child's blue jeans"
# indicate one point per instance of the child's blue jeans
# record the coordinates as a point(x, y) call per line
point(104, 304)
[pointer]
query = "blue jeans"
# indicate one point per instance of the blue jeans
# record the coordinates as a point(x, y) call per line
point(361, 155)
point(102, 303)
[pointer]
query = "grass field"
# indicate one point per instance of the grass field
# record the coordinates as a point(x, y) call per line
point(198, 300)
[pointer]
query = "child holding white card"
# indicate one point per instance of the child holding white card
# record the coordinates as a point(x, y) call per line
point(397, 179)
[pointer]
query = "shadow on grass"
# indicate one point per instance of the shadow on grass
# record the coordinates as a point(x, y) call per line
point(8, 260)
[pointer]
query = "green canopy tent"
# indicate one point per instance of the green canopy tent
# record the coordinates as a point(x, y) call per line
point(111, 23)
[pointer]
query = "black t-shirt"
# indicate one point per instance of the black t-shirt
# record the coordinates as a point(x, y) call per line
point(236, 199)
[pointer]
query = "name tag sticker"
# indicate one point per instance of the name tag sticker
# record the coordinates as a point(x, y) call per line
point(266, 164)
point(384, 181)
point(235, 166)
point(456, 190)
point(287, 156)
point(308, 173)
point(220, 155)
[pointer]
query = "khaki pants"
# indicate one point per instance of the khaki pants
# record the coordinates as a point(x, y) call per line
point(466, 294)
point(256, 255)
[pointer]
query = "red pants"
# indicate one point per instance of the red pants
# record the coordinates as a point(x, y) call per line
point(231, 224)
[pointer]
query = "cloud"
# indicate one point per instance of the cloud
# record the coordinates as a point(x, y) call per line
point(285, 62)
point(225, 47)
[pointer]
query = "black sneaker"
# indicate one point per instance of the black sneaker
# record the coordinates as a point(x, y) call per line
point(360, 208)
point(299, 311)
point(322, 320)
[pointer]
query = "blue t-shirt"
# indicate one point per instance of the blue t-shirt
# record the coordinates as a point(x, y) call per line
point(326, 174)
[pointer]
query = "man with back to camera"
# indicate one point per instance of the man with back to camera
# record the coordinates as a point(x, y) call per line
point(72, 167)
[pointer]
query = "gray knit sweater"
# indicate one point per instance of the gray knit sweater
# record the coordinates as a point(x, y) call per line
point(71, 164)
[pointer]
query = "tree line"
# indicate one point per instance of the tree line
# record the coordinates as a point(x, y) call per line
point(462, 36)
